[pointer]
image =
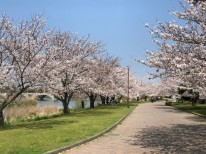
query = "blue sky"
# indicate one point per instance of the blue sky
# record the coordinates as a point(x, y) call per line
point(119, 24)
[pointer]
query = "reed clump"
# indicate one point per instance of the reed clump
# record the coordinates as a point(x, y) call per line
point(27, 108)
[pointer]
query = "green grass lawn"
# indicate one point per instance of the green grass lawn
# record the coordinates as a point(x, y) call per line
point(47, 134)
point(197, 108)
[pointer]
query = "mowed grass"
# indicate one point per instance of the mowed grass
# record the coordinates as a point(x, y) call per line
point(197, 108)
point(48, 134)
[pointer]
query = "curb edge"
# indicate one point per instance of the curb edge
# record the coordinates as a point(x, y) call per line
point(64, 148)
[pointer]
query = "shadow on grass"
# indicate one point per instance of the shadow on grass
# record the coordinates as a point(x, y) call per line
point(188, 139)
point(46, 124)
point(93, 112)
point(119, 105)
point(101, 110)
point(43, 124)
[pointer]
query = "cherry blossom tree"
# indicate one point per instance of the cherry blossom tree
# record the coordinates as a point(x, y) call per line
point(182, 49)
point(108, 79)
point(121, 84)
point(134, 86)
point(100, 77)
point(108, 65)
point(73, 55)
point(167, 87)
point(146, 89)
point(23, 57)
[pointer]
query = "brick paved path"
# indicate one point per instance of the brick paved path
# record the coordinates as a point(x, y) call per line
point(151, 128)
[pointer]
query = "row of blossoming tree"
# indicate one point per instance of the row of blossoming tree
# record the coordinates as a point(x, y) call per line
point(181, 56)
point(62, 63)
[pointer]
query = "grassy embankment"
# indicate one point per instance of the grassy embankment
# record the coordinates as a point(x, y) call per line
point(199, 109)
point(46, 134)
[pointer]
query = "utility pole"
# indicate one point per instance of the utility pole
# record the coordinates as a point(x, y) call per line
point(128, 87)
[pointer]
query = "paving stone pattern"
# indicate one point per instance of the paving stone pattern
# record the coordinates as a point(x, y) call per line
point(151, 128)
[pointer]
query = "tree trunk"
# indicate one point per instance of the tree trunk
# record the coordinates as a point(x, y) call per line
point(92, 100)
point(66, 107)
point(1, 118)
point(107, 100)
point(82, 102)
point(65, 101)
point(103, 99)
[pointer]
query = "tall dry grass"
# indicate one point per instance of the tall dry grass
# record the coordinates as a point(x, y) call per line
point(28, 109)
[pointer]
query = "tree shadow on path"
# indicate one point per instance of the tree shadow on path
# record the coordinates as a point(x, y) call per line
point(184, 139)
point(197, 119)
